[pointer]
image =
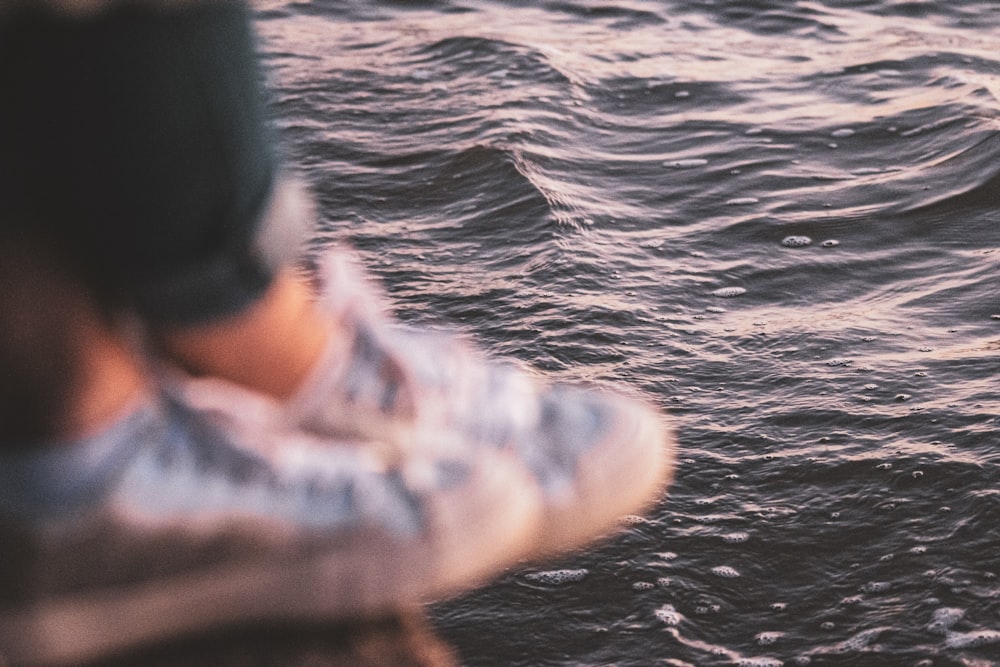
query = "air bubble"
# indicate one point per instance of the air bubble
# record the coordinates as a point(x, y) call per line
point(830, 243)
point(842, 133)
point(557, 577)
point(736, 538)
point(643, 586)
point(725, 572)
point(870, 387)
point(796, 241)
point(729, 292)
point(827, 625)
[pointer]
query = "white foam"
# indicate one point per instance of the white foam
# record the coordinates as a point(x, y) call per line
point(742, 201)
point(944, 619)
point(736, 538)
point(972, 639)
point(557, 577)
point(796, 241)
point(729, 292)
point(768, 638)
point(668, 615)
point(725, 572)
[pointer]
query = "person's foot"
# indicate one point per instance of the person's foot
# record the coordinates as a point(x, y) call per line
point(176, 519)
point(594, 455)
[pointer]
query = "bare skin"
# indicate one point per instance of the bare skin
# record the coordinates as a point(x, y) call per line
point(271, 347)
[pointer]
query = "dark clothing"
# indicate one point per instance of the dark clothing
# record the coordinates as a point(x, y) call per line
point(136, 140)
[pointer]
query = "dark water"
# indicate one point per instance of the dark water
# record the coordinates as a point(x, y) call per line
point(574, 182)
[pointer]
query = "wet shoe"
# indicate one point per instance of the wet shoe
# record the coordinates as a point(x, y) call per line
point(176, 520)
point(595, 456)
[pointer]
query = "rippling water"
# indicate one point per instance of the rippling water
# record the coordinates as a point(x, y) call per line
point(776, 219)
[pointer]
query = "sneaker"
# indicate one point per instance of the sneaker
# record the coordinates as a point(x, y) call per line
point(175, 520)
point(595, 456)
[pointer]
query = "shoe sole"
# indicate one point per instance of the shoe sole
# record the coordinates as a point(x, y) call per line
point(628, 471)
point(366, 575)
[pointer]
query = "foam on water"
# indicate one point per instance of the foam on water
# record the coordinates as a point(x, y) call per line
point(725, 571)
point(729, 292)
point(796, 241)
point(557, 577)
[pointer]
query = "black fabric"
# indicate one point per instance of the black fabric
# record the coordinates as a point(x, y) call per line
point(138, 138)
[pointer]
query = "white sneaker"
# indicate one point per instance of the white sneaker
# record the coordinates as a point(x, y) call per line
point(595, 456)
point(176, 519)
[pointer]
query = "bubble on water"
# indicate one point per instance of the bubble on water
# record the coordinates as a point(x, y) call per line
point(725, 572)
point(715, 309)
point(742, 201)
point(557, 577)
point(736, 538)
point(779, 606)
point(768, 638)
point(643, 586)
point(842, 133)
point(944, 619)
point(796, 241)
point(839, 362)
point(827, 625)
point(729, 292)
point(663, 582)
point(995, 316)
point(666, 555)
point(876, 586)
point(972, 639)
point(652, 244)
point(732, 476)
point(668, 615)
point(902, 397)
point(870, 387)
point(917, 474)
point(918, 550)
point(851, 600)
point(830, 243)
point(884, 466)
point(689, 163)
